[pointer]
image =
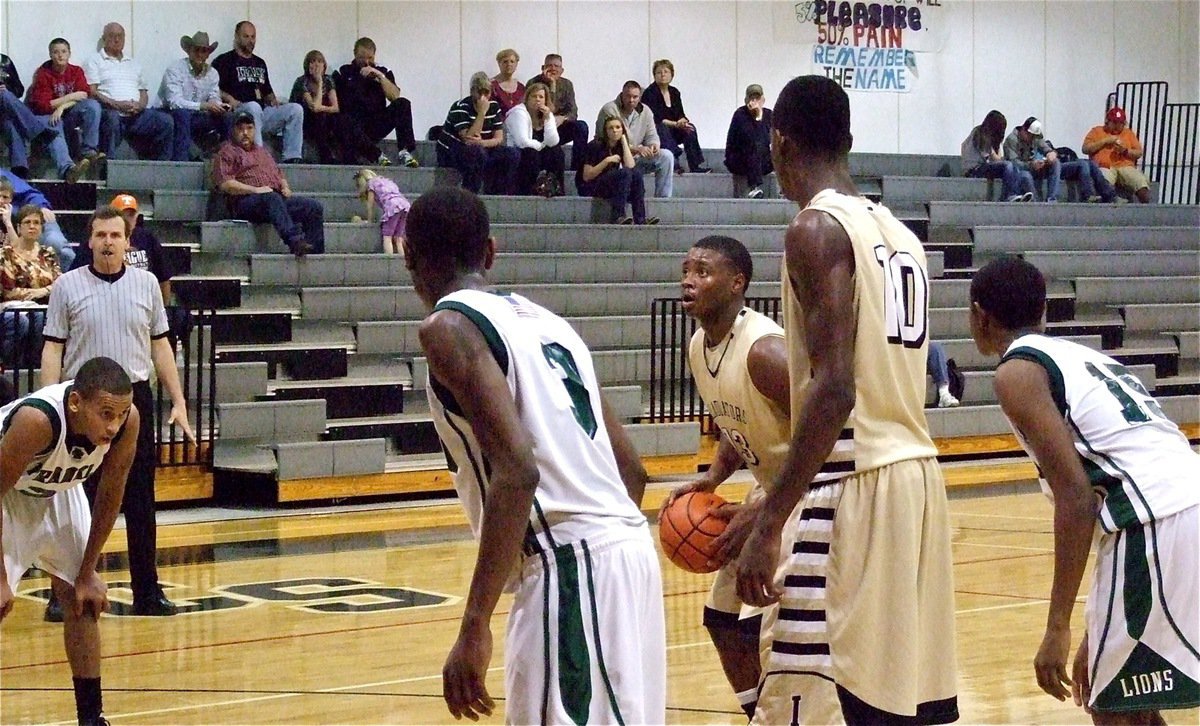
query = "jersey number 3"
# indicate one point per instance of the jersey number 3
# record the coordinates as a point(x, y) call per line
point(905, 298)
point(563, 363)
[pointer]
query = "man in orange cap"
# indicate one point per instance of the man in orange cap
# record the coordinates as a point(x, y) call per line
point(1115, 148)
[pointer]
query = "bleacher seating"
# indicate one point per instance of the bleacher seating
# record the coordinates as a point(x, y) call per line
point(319, 373)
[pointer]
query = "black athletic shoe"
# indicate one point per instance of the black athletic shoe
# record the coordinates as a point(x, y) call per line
point(98, 721)
point(54, 613)
point(157, 606)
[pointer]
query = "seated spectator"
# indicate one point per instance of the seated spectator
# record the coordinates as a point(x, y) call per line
point(27, 270)
point(118, 83)
point(938, 367)
point(748, 142)
point(60, 96)
point(375, 107)
point(674, 128)
point(24, 127)
point(246, 86)
point(145, 252)
point(562, 101)
point(191, 93)
point(472, 141)
point(506, 89)
point(531, 127)
point(257, 191)
point(608, 171)
point(1027, 147)
point(15, 193)
point(324, 123)
point(981, 157)
point(1115, 148)
point(643, 136)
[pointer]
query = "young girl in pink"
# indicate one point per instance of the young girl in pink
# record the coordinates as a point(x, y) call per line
point(380, 191)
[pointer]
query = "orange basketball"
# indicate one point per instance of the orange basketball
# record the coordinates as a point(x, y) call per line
point(688, 528)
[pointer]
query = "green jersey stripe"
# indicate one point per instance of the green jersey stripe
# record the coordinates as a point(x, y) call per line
point(574, 663)
point(612, 696)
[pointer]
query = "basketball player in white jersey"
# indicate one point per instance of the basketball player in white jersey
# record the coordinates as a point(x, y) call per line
point(50, 442)
point(739, 364)
point(1108, 456)
point(552, 488)
point(855, 304)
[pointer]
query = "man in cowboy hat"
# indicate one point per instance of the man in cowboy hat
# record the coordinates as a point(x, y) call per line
point(190, 93)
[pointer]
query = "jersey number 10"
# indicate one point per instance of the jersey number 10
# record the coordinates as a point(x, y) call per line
point(905, 298)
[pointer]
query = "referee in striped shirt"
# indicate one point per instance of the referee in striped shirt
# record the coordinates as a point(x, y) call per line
point(110, 309)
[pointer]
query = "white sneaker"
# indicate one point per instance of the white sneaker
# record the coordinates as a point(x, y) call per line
point(1016, 198)
point(407, 159)
point(383, 160)
point(945, 400)
point(755, 193)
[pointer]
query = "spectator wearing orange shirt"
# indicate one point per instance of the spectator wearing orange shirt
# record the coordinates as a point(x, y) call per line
point(1115, 148)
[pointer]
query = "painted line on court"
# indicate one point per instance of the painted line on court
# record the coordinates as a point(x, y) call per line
point(332, 689)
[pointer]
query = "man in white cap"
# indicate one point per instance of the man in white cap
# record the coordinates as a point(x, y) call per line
point(1028, 148)
point(190, 92)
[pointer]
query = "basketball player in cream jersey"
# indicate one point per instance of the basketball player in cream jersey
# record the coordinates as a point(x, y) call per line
point(50, 442)
point(855, 303)
point(551, 486)
point(739, 364)
point(1110, 458)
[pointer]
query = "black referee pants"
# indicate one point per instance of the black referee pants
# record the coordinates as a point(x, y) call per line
point(138, 504)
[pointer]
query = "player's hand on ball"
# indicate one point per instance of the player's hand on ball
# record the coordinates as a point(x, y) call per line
point(463, 675)
point(1051, 663)
point(741, 518)
point(91, 595)
point(756, 566)
point(679, 491)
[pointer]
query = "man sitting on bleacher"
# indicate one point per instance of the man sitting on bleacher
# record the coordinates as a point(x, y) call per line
point(1028, 149)
point(257, 191)
point(1116, 148)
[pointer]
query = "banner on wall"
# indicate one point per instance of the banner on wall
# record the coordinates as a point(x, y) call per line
point(864, 46)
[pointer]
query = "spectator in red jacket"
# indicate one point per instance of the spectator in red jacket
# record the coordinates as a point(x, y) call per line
point(59, 95)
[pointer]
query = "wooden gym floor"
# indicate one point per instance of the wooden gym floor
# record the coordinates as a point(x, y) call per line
point(346, 618)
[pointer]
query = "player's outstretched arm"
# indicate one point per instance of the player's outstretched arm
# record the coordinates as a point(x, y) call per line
point(91, 594)
point(28, 433)
point(459, 358)
point(629, 463)
point(820, 264)
point(1023, 389)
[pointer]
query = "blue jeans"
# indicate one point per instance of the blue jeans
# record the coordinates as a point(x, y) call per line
point(85, 116)
point(935, 364)
point(151, 132)
point(1091, 181)
point(495, 168)
point(23, 127)
point(619, 186)
point(1051, 172)
point(188, 123)
point(53, 237)
point(1013, 180)
point(663, 166)
point(673, 139)
point(296, 219)
point(286, 120)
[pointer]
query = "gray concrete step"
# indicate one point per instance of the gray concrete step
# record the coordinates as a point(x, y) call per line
point(1069, 265)
point(992, 242)
point(1161, 317)
point(1118, 290)
point(972, 214)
